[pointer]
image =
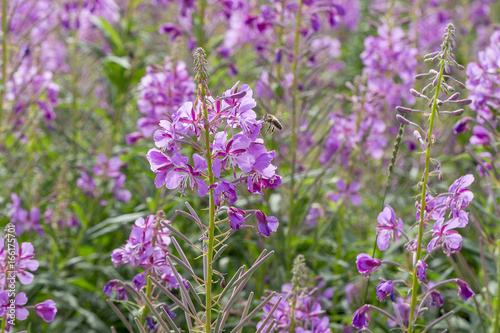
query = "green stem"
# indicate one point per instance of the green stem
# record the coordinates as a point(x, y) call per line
point(149, 289)
point(211, 225)
point(423, 194)
point(203, 6)
point(294, 116)
point(497, 312)
point(4, 55)
point(74, 91)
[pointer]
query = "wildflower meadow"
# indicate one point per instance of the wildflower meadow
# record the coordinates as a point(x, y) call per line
point(290, 166)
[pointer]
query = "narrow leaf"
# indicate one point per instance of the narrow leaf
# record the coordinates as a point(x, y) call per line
point(153, 309)
point(120, 314)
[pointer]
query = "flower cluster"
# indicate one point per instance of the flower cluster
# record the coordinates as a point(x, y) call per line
point(104, 179)
point(23, 220)
point(483, 81)
point(17, 262)
point(303, 312)
point(389, 59)
point(236, 151)
point(78, 15)
point(257, 26)
point(162, 92)
point(146, 248)
point(445, 210)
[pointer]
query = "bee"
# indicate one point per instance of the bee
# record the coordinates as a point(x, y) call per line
point(273, 122)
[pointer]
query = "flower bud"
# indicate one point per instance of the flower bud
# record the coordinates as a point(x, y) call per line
point(402, 119)
point(361, 317)
point(457, 112)
point(464, 290)
point(414, 92)
point(454, 97)
point(366, 264)
point(464, 101)
point(403, 109)
point(223, 283)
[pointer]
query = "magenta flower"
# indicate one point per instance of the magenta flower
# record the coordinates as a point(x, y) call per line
point(345, 192)
point(386, 230)
point(227, 151)
point(110, 168)
point(464, 290)
point(366, 264)
point(261, 173)
point(165, 137)
point(480, 136)
point(160, 164)
point(266, 224)
point(23, 220)
point(421, 271)
point(184, 175)
point(20, 312)
point(444, 236)
point(385, 289)
point(86, 183)
point(461, 196)
point(47, 310)
point(462, 126)
point(236, 218)
point(121, 292)
point(361, 317)
point(23, 264)
point(436, 299)
point(225, 192)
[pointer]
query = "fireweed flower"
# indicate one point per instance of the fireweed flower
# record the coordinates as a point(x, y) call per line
point(480, 136)
point(461, 196)
point(445, 237)
point(266, 224)
point(347, 192)
point(20, 299)
point(236, 150)
point(163, 90)
point(23, 264)
point(361, 317)
point(47, 310)
point(464, 290)
point(105, 171)
point(303, 308)
point(389, 58)
point(386, 230)
point(146, 248)
point(385, 289)
point(236, 218)
point(421, 271)
point(184, 174)
point(366, 264)
point(225, 192)
point(23, 220)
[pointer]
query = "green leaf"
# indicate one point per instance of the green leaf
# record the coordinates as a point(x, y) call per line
point(84, 284)
point(120, 61)
point(110, 33)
